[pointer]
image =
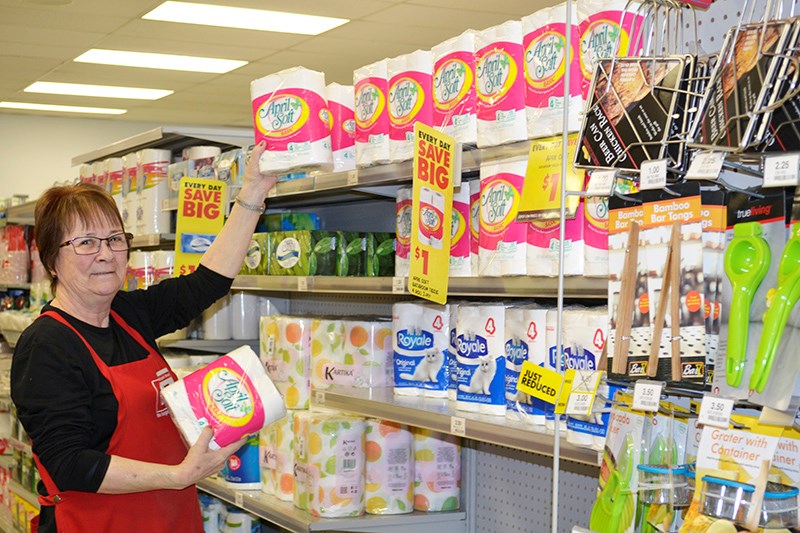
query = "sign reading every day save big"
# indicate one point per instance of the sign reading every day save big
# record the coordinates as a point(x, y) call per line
point(201, 214)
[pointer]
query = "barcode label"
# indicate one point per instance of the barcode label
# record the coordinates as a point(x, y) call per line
point(715, 411)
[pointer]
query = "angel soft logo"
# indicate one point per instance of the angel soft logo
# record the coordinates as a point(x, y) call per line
point(228, 396)
point(430, 219)
point(499, 205)
point(369, 105)
point(405, 100)
point(282, 115)
point(600, 41)
point(451, 82)
point(496, 72)
point(472, 347)
point(544, 60)
point(403, 224)
point(457, 226)
point(414, 341)
point(516, 351)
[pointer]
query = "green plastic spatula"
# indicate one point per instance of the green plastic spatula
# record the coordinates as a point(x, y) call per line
point(746, 263)
point(614, 508)
point(783, 301)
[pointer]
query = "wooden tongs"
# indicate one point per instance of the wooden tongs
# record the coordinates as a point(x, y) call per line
point(670, 293)
point(627, 299)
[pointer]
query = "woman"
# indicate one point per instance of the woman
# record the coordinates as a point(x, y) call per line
point(86, 375)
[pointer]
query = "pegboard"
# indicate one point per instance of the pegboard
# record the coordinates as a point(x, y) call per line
point(343, 304)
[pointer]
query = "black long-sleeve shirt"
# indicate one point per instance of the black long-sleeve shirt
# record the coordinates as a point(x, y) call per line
point(63, 401)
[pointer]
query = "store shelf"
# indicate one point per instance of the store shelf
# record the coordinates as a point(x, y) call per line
point(211, 346)
point(441, 415)
point(21, 214)
point(23, 493)
point(10, 286)
point(524, 286)
point(285, 515)
point(19, 445)
point(6, 523)
point(153, 241)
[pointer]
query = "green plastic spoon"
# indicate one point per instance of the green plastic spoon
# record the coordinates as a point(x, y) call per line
point(614, 508)
point(783, 301)
point(746, 263)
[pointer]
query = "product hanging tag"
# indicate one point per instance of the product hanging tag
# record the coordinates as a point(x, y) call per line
point(601, 183)
point(541, 190)
point(653, 174)
point(781, 170)
point(538, 382)
point(579, 391)
point(647, 395)
point(715, 411)
point(200, 219)
point(706, 166)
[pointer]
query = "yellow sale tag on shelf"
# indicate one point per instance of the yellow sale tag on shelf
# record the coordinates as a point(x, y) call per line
point(541, 383)
point(432, 205)
point(201, 214)
point(541, 193)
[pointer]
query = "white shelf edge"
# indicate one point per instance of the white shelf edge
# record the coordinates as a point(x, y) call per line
point(212, 346)
point(23, 493)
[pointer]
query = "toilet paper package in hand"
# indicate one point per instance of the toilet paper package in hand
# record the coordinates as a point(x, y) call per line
point(502, 239)
point(454, 96)
point(341, 100)
point(277, 458)
point(437, 471)
point(420, 341)
point(290, 113)
point(403, 217)
point(524, 341)
point(390, 468)
point(335, 465)
point(410, 100)
point(372, 114)
point(233, 395)
point(480, 331)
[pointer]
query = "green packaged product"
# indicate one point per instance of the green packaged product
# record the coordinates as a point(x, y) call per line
point(351, 254)
point(256, 261)
point(380, 254)
point(303, 253)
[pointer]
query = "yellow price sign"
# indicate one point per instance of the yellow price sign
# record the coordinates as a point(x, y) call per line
point(201, 214)
point(540, 383)
point(541, 193)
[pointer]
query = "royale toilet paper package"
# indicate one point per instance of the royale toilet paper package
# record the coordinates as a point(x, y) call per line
point(290, 113)
point(372, 114)
point(480, 340)
point(410, 100)
point(390, 468)
point(452, 366)
point(153, 187)
point(454, 94)
point(544, 45)
point(437, 471)
point(460, 232)
point(590, 431)
point(500, 82)
point(277, 458)
point(233, 395)
point(420, 343)
point(403, 231)
point(543, 242)
point(300, 427)
point(335, 465)
point(524, 341)
point(341, 100)
point(291, 360)
point(502, 239)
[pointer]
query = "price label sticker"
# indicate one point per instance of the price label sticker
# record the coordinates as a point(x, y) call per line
point(705, 166)
point(715, 411)
point(352, 178)
point(302, 284)
point(653, 174)
point(398, 285)
point(781, 170)
point(458, 426)
point(647, 395)
point(601, 183)
point(238, 499)
point(580, 403)
point(319, 397)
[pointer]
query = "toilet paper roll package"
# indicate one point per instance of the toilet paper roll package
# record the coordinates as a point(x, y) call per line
point(543, 243)
point(595, 236)
point(544, 45)
point(335, 466)
point(390, 468)
point(229, 168)
point(99, 174)
point(176, 171)
point(291, 114)
point(524, 341)
point(437, 471)
point(202, 161)
point(372, 114)
point(291, 360)
point(403, 209)
point(217, 320)
point(421, 349)
point(244, 315)
point(474, 225)
point(153, 187)
point(233, 395)
point(460, 232)
point(114, 178)
point(341, 99)
point(140, 273)
point(130, 191)
point(410, 100)
point(502, 239)
point(454, 94)
point(243, 469)
point(300, 427)
point(267, 340)
point(327, 354)
point(500, 83)
point(480, 331)
point(277, 458)
point(368, 349)
point(452, 361)
point(86, 173)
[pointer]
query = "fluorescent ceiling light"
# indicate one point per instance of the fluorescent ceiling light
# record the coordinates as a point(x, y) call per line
point(243, 18)
point(63, 108)
point(103, 91)
point(160, 61)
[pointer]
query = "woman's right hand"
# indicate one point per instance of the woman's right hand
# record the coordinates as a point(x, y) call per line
point(201, 462)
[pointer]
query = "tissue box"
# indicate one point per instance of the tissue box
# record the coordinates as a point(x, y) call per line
point(351, 253)
point(256, 261)
point(303, 253)
point(380, 254)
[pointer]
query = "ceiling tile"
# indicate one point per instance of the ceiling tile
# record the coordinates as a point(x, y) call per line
point(437, 17)
point(349, 9)
point(154, 31)
point(27, 34)
point(414, 36)
point(139, 77)
point(39, 17)
point(364, 52)
point(513, 8)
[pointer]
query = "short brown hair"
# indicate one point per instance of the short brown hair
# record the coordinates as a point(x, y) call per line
point(59, 208)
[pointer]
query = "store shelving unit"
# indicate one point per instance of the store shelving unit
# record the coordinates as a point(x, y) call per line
point(23, 493)
point(153, 241)
point(287, 516)
point(211, 346)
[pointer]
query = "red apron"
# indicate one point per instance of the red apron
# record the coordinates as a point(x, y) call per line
point(144, 432)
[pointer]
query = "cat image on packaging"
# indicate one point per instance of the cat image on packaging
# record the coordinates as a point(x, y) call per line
point(480, 331)
point(420, 342)
point(524, 341)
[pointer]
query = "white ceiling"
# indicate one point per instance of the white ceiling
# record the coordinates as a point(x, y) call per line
point(38, 43)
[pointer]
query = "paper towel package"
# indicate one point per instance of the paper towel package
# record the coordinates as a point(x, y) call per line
point(277, 458)
point(460, 233)
point(524, 341)
point(86, 173)
point(153, 188)
point(114, 178)
point(291, 114)
point(454, 94)
point(502, 239)
point(437, 471)
point(244, 309)
point(130, 192)
point(233, 395)
point(291, 360)
point(544, 44)
point(420, 342)
point(403, 210)
point(410, 100)
point(390, 468)
point(140, 273)
point(202, 158)
point(372, 114)
point(341, 99)
point(480, 330)
point(474, 224)
point(217, 320)
point(500, 83)
point(301, 423)
point(99, 174)
point(543, 242)
point(595, 236)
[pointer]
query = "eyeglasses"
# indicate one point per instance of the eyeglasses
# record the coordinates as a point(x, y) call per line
point(119, 242)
